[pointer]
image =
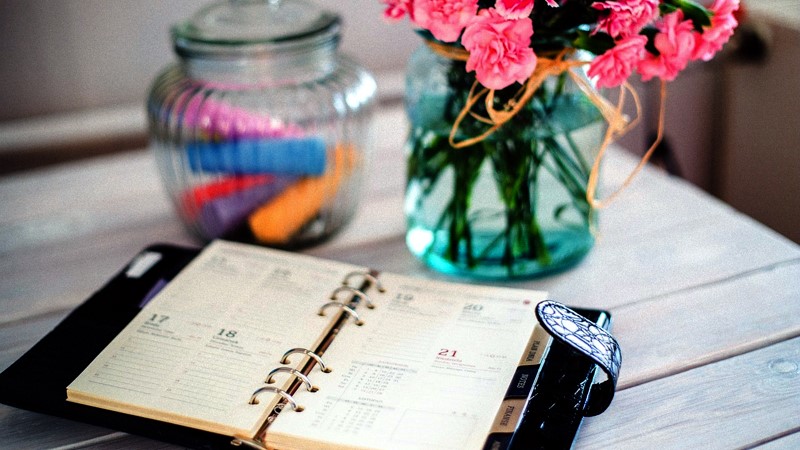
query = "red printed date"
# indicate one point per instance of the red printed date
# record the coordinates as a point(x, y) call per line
point(447, 353)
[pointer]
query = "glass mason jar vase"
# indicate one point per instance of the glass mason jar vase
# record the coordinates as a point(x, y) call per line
point(512, 205)
point(260, 129)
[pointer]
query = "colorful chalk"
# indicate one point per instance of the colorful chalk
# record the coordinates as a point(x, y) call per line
point(193, 199)
point(279, 220)
point(224, 214)
point(286, 156)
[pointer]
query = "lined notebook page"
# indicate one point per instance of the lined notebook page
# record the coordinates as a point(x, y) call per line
point(197, 351)
point(428, 369)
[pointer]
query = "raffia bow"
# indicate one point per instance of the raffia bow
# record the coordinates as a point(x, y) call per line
point(618, 123)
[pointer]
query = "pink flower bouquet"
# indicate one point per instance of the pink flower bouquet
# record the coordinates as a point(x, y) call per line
point(656, 38)
point(497, 106)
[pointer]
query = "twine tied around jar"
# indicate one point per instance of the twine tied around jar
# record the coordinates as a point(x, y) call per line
point(618, 123)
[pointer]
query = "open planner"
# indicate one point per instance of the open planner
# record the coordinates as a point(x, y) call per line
point(249, 346)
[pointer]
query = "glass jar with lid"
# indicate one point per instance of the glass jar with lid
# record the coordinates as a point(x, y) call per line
point(261, 128)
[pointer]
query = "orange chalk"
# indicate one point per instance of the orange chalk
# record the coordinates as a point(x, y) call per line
point(279, 220)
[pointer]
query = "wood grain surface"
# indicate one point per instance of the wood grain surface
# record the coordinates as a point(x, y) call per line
point(705, 301)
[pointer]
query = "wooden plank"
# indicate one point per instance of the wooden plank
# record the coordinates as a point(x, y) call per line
point(78, 199)
point(36, 211)
point(685, 256)
point(654, 203)
point(117, 441)
point(676, 333)
point(665, 251)
point(792, 441)
point(731, 382)
point(109, 192)
point(45, 275)
point(706, 334)
point(729, 404)
point(716, 319)
point(64, 273)
point(642, 327)
point(707, 251)
point(377, 218)
point(42, 275)
point(21, 429)
point(57, 249)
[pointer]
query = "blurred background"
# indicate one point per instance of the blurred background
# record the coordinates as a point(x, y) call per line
point(75, 73)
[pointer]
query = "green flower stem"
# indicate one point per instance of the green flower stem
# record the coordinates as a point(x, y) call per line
point(466, 170)
point(564, 160)
point(535, 231)
point(516, 173)
point(576, 152)
point(566, 168)
point(577, 193)
point(576, 189)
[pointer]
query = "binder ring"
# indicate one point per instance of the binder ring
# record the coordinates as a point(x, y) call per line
point(305, 351)
point(356, 293)
point(281, 392)
point(366, 276)
point(247, 442)
point(344, 308)
point(309, 387)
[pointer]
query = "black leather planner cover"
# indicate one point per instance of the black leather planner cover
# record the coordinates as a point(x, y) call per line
point(553, 417)
point(37, 381)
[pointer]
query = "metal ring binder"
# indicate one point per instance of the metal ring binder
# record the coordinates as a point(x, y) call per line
point(305, 351)
point(366, 276)
point(281, 392)
point(344, 308)
point(246, 442)
point(356, 293)
point(309, 387)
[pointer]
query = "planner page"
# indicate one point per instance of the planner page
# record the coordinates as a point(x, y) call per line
point(198, 350)
point(428, 369)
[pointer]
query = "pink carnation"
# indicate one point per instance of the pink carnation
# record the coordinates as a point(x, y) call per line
point(499, 49)
point(397, 9)
point(675, 42)
point(517, 9)
point(722, 25)
point(613, 67)
point(514, 9)
point(444, 18)
point(626, 17)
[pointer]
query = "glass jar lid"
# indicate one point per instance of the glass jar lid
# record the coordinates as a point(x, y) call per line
point(251, 27)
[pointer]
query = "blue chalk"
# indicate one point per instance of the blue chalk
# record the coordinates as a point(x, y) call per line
point(290, 156)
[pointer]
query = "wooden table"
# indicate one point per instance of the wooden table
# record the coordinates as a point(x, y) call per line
point(706, 302)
